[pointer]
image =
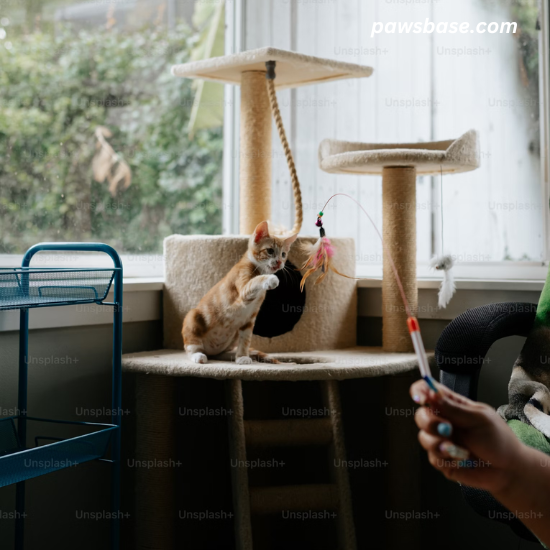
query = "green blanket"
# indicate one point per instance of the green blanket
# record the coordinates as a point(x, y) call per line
point(530, 436)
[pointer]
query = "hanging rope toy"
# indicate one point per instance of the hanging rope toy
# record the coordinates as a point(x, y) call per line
point(270, 78)
point(320, 256)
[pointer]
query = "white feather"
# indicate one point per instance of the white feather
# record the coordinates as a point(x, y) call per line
point(309, 248)
point(448, 287)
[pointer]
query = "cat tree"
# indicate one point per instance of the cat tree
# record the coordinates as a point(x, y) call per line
point(319, 341)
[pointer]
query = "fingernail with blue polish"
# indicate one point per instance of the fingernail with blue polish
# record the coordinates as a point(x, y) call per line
point(416, 398)
point(444, 429)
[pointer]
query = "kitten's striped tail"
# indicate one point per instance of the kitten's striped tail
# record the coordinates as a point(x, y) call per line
point(262, 357)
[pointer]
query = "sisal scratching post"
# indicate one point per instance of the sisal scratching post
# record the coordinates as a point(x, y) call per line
point(399, 231)
point(255, 155)
point(156, 444)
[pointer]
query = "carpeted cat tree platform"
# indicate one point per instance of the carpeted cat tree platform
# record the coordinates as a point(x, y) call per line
point(312, 333)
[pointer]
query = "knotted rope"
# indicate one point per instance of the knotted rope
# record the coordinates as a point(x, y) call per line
point(298, 216)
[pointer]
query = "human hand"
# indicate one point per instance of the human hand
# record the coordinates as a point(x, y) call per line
point(449, 420)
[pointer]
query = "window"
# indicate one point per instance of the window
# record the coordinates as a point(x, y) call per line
point(425, 87)
point(97, 140)
point(96, 143)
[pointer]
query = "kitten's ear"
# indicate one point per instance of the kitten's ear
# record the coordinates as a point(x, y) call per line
point(288, 242)
point(261, 232)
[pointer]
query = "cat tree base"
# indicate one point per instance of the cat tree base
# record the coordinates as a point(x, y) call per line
point(156, 375)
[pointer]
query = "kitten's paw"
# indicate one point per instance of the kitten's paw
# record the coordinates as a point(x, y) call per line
point(199, 358)
point(271, 282)
point(243, 360)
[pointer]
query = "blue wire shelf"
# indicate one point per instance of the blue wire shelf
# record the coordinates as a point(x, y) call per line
point(72, 444)
point(32, 447)
point(27, 287)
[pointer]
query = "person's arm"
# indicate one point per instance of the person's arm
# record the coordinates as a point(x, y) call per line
point(527, 495)
point(516, 475)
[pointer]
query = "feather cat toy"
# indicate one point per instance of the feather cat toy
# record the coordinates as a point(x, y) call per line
point(320, 256)
point(448, 287)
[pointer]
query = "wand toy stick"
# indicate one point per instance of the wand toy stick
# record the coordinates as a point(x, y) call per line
point(320, 257)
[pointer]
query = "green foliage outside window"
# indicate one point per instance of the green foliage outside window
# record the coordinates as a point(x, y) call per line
point(56, 88)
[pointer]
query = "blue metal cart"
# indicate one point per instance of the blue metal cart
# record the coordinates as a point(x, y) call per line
point(23, 453)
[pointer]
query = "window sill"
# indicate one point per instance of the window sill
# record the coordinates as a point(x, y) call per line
point(137, 284)
point(143, 302)
point(468, 284)
point(142, 284)
point(470, 293)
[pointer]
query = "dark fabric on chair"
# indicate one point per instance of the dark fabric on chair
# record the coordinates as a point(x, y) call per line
point(464, 343)
point(487, 506)
point(460, 353)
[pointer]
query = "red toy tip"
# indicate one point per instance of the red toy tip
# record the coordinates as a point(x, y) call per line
point(412, 323)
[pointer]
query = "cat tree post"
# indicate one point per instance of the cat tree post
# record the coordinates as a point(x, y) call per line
point(399, 232)
point(255, 154)
point(247, 70)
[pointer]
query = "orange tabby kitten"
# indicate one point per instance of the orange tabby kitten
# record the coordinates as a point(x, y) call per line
point(226, 315)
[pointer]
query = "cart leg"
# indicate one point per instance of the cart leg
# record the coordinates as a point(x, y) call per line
point(115, 495)
point(19, 519)
point(117, 406)
point(21, 422)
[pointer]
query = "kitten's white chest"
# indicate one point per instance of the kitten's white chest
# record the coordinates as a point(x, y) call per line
point(244, 314)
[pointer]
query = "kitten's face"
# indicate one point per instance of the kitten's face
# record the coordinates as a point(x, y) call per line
point(268, 253)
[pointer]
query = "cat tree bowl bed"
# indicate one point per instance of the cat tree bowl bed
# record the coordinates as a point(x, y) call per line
point(399, 164)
